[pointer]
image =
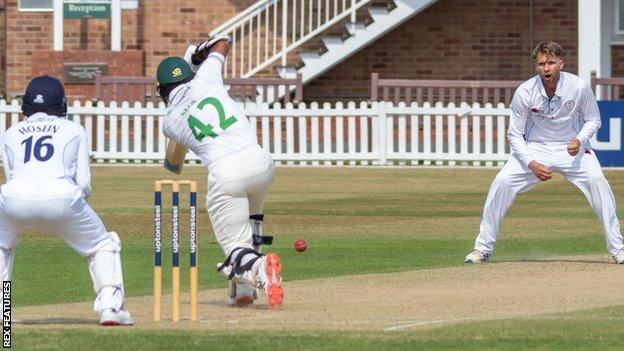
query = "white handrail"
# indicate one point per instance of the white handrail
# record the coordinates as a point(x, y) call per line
point(225, 26)
point(270, 29)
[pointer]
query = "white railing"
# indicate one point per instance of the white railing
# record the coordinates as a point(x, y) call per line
point(268, 30)
point(351, 134)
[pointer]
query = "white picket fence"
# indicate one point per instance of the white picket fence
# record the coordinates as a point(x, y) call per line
point(351, 134)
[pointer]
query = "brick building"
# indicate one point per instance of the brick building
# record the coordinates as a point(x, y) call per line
point(450, 39)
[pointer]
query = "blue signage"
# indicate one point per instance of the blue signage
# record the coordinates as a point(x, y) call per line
point(607, 142)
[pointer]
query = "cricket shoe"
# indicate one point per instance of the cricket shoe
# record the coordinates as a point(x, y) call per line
point(267, 272)
point(618, 257)
point(477, 256)
point(109, 317)
point(241, 295)
point(242, 288)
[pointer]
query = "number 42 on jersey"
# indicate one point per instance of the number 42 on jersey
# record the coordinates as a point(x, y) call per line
point(201, 130)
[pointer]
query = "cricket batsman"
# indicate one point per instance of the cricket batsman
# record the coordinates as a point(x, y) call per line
point(202, 117)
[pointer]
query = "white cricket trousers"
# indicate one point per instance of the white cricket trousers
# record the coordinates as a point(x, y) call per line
point(237, 187)
point(582, 170)
point(59, 207)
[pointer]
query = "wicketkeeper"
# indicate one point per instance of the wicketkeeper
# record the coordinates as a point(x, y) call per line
point(46, 164)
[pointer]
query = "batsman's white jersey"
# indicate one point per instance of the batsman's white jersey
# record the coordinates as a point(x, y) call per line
point(540, 130)
point(46, 164)
point(203, 118)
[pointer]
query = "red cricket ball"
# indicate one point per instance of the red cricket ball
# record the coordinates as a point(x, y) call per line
point(301, 245)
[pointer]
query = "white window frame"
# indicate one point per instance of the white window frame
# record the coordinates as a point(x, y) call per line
point(619, 27)
point(41, 9)
point(129, 4)
point(125, 5)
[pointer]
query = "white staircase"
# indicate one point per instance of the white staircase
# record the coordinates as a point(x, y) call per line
point(360, 36)
point(266, 33)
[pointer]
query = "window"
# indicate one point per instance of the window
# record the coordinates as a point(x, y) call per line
point(35, 5)
point(46, 5)
point(619, 29)
point(129, 4)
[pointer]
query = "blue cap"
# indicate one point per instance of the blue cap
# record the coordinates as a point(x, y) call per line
point(44, 94)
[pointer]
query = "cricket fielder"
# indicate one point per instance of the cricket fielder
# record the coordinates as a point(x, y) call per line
point(203, 118)
point(46, 165)
point(553, 116)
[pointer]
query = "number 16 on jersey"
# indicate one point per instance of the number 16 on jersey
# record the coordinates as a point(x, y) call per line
point(42, 151)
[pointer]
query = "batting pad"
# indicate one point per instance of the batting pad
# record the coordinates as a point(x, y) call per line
point(105, 264)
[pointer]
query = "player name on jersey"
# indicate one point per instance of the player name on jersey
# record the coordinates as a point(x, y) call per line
point(46, 128)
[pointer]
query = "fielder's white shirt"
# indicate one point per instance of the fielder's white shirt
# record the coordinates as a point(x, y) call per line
point(45, 148)
point(203, 117)
point(571, 113)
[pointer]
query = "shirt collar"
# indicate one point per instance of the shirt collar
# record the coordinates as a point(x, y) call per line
point(179, 93)
point(40, 115)
point(558, 89)
point(173, 94)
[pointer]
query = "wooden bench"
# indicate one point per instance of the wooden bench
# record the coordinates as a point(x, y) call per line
point(446, 91)
point(611, 88)
point(143, 89)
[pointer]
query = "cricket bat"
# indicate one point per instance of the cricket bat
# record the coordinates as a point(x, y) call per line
point(174, 158)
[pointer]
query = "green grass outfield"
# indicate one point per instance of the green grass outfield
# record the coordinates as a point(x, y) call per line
point(356, 221)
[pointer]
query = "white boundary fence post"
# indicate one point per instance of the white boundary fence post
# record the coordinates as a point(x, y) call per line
point(339, 133)
point(314, 132)
point(364, 131)
point(427, 134)
point(327, 139)
point(451, 130)
point(382, 135)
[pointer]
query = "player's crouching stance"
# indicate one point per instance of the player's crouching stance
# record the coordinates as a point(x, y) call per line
point(553, 116)
point(202, 117)
point(46, 164)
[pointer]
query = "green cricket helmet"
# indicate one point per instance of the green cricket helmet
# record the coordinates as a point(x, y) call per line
point(172, 72)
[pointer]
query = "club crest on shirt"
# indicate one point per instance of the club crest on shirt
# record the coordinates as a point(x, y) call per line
point(569, 105)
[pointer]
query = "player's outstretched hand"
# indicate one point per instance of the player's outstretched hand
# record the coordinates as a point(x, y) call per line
point(574, 146)
point(542, 172)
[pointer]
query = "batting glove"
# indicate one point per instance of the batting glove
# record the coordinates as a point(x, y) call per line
point(211, 41)
point(188, 57)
